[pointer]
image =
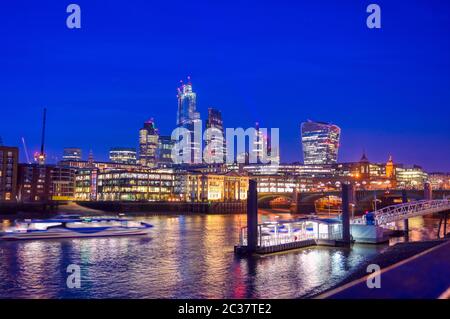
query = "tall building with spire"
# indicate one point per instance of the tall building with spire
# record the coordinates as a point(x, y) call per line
point(148, 144)
point(390, 168)
point(189, 118)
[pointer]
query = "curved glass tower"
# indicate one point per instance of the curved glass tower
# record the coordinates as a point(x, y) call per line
point(320, 143)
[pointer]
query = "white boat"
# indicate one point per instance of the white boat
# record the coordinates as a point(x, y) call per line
point(73, 226)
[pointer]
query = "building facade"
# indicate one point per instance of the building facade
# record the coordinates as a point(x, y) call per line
point(148, 144)
point(320, 143)
point(9, 158)
point(44, 183)
point(123, 155)
point(72, 154)
point(215, 148)
point(189, 119)
point(229, 186)
point(136, 186)
point(164, 154)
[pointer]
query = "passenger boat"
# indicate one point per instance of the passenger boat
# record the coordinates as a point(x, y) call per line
point(74, 226)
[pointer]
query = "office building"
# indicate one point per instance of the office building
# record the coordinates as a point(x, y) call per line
point(164, 153)
point(189, 118)
point(320, 142)
point(124, 155)
point(9, 157)
point(148, 144)
point(215, 149)
point(72, 154)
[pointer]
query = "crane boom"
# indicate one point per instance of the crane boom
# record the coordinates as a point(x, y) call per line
point(26, 150)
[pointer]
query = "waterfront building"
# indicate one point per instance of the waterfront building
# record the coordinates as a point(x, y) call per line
point(141, 185)
point(72, 154)
point(43, 183)
point(215, 138)
point(291, 169)
point(230, 186)
point(62, 183)
point(148, 144)
point(410, 177)
point(320, 142)
point(189, 118)
point(86, 184)
point(9, 158)
point(164, 152)
point(439, 181)
point(124, 155)
point(98, 165)
point(277, 183)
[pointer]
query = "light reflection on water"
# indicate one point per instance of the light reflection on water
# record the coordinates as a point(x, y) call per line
point(186, 256)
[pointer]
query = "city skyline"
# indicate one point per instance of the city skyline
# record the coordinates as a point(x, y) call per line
point(107, 80)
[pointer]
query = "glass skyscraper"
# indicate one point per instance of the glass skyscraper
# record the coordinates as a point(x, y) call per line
point(215, 139)
point(148, 144)
point(188, 117)
point(320, 143)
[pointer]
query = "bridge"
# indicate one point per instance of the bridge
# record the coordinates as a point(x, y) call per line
point(395, 213)
point(304, 202)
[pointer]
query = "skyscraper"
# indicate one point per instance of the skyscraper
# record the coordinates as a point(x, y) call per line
point(164, 153)
point(320, 142)
point(215, 138)
point(148, 144)
point(187, 104)
point(189, 118)
point(72, 154)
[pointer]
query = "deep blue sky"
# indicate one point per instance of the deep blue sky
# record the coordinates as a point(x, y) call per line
point(276, 62)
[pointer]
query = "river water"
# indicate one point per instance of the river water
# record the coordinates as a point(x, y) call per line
point(186, 256)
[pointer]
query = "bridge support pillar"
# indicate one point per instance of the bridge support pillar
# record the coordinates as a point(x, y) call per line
point(427, 191)
point(445, 224)
point(346, 193)
point(252, 217)
point(406, 227)
point(405, 221)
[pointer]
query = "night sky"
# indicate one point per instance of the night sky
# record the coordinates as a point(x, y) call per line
point(276, 62)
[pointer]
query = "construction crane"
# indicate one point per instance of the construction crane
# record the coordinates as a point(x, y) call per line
point(40, 157)
point(26, 150)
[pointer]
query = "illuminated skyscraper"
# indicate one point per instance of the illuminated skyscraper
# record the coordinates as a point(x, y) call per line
point(189, 118)
point(263, 151)
point(164, 154)
point(148, 144)
point(320, 142)
point(215, 139)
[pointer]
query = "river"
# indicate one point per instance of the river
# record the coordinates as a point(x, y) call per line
point(186, 256)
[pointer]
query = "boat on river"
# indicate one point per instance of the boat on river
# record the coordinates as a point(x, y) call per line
point(74, 226)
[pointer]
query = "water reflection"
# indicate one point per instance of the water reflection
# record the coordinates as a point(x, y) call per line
point(185, 257)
